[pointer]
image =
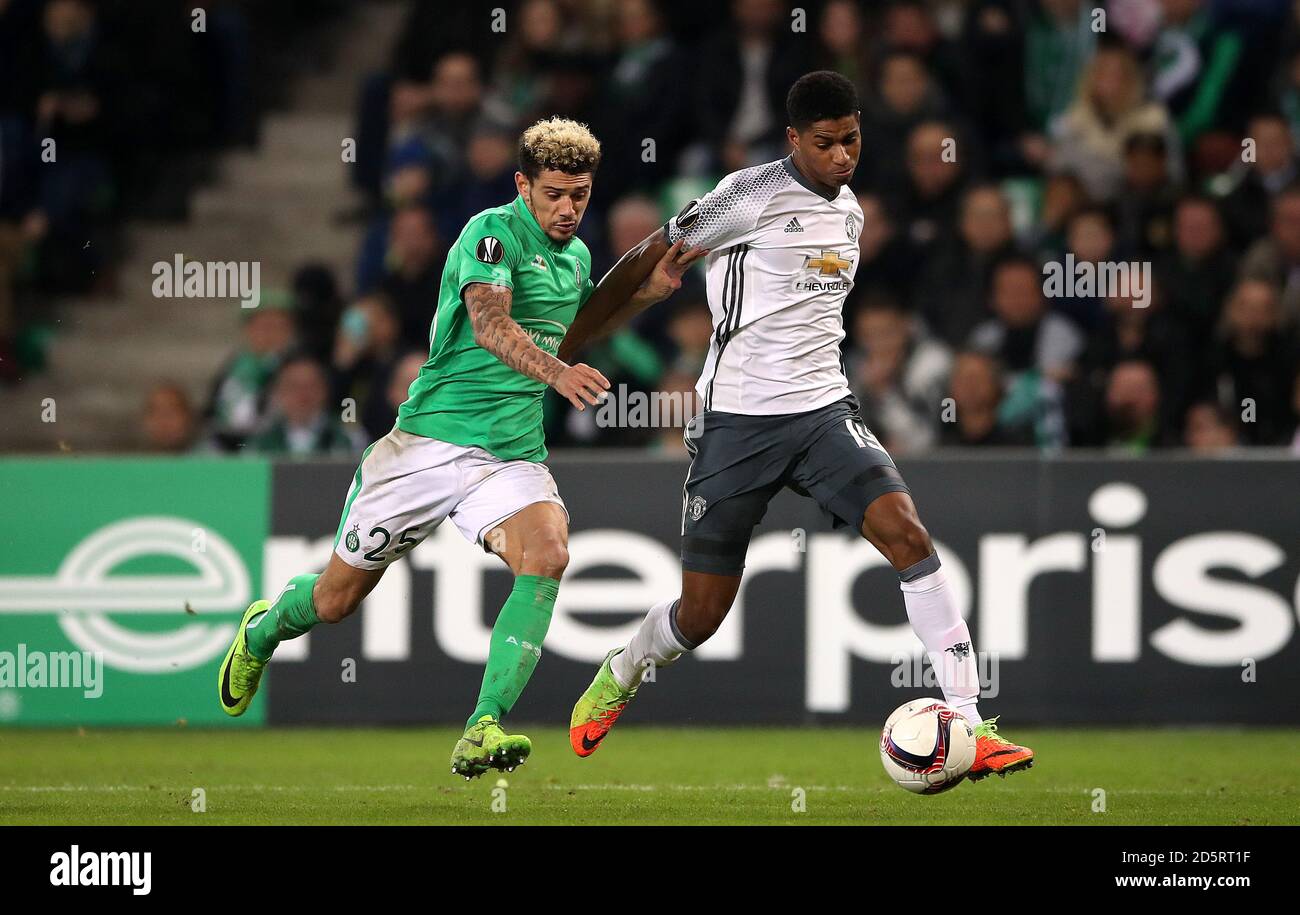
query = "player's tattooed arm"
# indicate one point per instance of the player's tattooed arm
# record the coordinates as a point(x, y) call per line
point(498, 333)
point(647, 274)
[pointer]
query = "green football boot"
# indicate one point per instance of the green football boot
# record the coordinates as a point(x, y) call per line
point(486, 746)
point(240, 672)
point(597, 709)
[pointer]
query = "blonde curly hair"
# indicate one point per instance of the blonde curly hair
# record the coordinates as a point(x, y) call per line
point(559, 144)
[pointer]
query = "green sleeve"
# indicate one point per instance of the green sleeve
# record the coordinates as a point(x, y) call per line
point(487, 252)
point(1200, 114)
point(588, 284)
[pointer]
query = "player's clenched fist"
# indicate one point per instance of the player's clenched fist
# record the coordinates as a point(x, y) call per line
point(581, 382)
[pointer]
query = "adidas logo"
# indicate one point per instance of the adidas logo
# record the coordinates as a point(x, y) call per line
point(793, 225)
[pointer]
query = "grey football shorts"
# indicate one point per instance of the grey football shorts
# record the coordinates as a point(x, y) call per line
point(739, 462)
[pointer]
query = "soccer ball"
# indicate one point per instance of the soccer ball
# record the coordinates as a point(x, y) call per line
point(927, 746)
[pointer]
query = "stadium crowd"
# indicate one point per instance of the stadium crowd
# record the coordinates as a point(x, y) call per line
point(111, 110)
point(999, 136)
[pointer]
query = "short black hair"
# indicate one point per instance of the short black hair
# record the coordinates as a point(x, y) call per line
point(819, 96)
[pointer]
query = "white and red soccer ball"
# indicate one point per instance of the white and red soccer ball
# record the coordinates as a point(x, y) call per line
point(927, 746)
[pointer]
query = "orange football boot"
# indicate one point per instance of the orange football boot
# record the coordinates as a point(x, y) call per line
point(598, 709)
point(994, 754)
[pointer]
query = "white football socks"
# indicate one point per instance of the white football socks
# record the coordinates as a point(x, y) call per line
point(657, 642)
point(937, 623)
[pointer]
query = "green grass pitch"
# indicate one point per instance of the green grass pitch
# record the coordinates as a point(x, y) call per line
point(641, 775)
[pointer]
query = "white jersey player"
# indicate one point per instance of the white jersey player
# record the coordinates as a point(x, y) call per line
point(782, 241)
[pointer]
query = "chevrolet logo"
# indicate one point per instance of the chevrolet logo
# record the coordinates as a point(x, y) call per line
point(829, 264)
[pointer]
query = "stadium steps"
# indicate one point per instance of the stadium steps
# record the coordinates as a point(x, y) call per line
point(277, 204)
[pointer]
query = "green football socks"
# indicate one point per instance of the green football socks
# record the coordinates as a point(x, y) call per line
point(292, 614)
point(516, 645)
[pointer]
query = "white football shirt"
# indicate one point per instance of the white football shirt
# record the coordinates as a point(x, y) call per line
point(781, 262)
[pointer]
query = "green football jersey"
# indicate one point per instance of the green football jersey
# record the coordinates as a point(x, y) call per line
point(464, 394)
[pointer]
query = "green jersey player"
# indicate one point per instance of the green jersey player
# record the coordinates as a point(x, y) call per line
point(468, 444)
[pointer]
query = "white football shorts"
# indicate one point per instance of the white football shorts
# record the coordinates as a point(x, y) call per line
point(406, 485)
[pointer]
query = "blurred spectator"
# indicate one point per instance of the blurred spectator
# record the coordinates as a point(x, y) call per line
point(1252, 365)
point(1256, 182)
point(408, 183)
point(976, 388)
point(1129, 333)
point(631, 219)
point(1144, 210)
point(1063, 197)
point(1090, 237)
point(1275, 259)
point(1023, 334)
point(1088, 139)
point(897, 374)
point(906, 97)
point(439, 115)
point(1058, 44)
point(1132, 419)
point(1197, 273)
point(367, 348)
point(1195, 60)
point(240, 390)
point(690, 328)
point(521, 70)
point(744, 72)
point(1137, 21)
point(489, 179)
point(909, 26)
point(301, 422)
point(317, 307)
point(1022, 63)
point(70, 86)
point(842, 43)
point(1037, 347)
point(413, 272)
point(1209, 429)
point(432, 28)
point(925, 205)
point(642, 99)
point(168, 424)
point(951, 287)
point(884, 264)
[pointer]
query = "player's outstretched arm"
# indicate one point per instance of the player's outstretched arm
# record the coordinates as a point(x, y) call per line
point(498, 333)
point(648, 273)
